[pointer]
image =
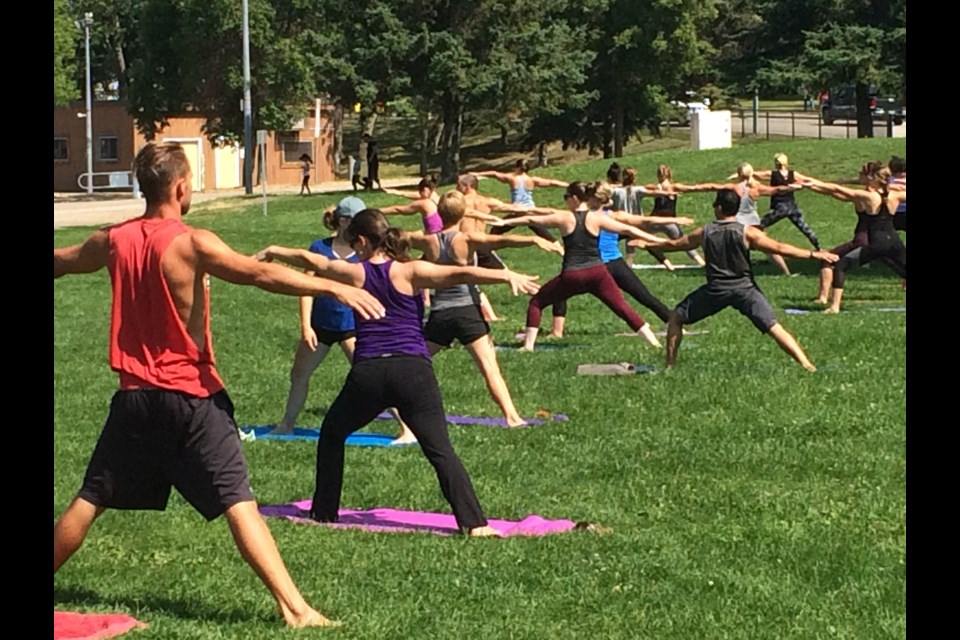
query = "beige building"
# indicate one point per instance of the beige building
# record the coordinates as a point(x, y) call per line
point(116, 142)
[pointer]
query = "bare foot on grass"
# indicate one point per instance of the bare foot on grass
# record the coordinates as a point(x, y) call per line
point(312, 618)
point(406, 438)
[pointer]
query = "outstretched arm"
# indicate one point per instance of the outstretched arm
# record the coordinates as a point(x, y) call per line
point(215, 257)
point(86, 257)
point(413, 195)
point(402, 209)
point(502, 177)
point(769, 191)
point(702, 186)
point(762, 242)
point(549, 218)
point(479, 241)
point(608, 224)
point(685, 243)
point(426, 275)
point(836, 191)
point(339, 270)
point(648, 221)
point(548, 182)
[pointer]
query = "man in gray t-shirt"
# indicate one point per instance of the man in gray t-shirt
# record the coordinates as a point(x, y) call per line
point(726, 247)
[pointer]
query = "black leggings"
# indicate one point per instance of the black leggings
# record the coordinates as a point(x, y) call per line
point(628, 281)
point(409, 384)
point(792, 211)
point(888, 249)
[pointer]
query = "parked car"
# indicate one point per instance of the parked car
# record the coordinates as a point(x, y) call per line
point(682, 112)
point(841, 104)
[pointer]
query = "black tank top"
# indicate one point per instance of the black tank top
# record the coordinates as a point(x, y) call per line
point(580, 249)
point(881, 222)
point(777, 180)
point(665, 205)
point(727, 255)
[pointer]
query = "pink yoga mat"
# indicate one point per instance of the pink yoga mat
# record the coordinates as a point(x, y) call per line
point(68, 625)
point(413, 521)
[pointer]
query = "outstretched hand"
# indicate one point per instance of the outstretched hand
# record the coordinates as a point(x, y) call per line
point(359, 300)
point(548, 246)
point(521, 283)
point(264, 255)
point(643, 244)
point(826, 256)
point(685, 221)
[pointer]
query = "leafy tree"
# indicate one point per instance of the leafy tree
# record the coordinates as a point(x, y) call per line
point(64, 55)
point(646, 52)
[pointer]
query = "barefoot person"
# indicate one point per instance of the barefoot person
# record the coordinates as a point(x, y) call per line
point(784, 205)
point(325, 322)
point(609, 246)
point(521, 191)
point(171, 423)
point(391, 364)
point(583, 269)
point(877, 205)
point(749, 189)
point(455, 313)
point(726, 246)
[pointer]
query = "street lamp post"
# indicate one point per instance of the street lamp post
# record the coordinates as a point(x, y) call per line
point(87, 22)
point(247, 109)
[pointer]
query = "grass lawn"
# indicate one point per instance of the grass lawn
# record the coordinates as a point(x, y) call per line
point(747, 498)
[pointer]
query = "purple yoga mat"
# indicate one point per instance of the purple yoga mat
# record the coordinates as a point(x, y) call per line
point(491, 422)
point(413, 521)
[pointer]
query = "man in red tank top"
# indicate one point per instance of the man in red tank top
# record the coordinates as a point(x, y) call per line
point(171, 423)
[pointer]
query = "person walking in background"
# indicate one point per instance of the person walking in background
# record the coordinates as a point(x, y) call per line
point(373, 165)
point(305, 172)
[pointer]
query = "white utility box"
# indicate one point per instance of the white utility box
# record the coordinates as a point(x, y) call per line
point(710, 130)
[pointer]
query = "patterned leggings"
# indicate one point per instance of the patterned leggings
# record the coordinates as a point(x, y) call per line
point(792, 211)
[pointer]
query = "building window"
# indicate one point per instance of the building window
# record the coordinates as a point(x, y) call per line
point(61, 150)
point(293, 147)
point(108, 148)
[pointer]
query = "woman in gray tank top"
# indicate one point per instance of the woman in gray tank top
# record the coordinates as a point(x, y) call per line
point(749, 189)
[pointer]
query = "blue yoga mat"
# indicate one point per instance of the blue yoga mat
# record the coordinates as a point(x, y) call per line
point(358, 439)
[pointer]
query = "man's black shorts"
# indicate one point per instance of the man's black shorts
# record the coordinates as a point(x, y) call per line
point(464, 324)
point(330, 338)
point(706, 301)
point(156, 439)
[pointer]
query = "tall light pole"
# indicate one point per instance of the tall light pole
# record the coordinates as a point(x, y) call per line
point(87, 22)
point(247, 110)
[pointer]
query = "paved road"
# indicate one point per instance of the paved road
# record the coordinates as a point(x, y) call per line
point(802, 125)
point(82, 210)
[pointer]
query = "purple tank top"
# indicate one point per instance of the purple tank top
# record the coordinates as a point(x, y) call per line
point(433, 223)
point(401, 331)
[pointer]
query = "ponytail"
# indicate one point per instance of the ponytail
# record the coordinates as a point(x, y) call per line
point(330, 218)
point(396, 245)
point(372, 225)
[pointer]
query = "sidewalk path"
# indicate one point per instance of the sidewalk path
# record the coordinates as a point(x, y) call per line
point(83, 210)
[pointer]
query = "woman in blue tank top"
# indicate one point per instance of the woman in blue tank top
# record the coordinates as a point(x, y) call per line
point(391, 363)
point(325, 322)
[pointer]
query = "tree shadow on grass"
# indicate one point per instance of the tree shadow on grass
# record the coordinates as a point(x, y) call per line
point(65, 598)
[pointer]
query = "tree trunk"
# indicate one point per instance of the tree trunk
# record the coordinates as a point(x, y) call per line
point(437, 135)
point(864, 115)
point(424, 141)
point(618, 127)
point(337, 137)
point(542, 154)
point(503, 136)
point(450, 153)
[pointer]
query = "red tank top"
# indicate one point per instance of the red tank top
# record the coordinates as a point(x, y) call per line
point(149, 345)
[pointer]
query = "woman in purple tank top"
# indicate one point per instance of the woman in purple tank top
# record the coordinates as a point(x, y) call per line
point(391, 363)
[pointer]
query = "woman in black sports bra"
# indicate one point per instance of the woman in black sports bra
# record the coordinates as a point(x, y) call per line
point(875, 205)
